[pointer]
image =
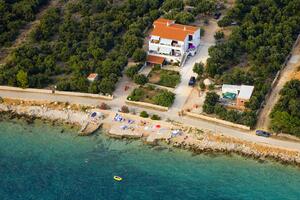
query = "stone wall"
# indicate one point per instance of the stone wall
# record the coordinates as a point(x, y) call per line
point(44, 91)
point(220, 121)
point(147, 105)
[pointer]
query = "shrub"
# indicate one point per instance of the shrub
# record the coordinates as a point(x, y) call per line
point(156, 67)
point(164, 98)
point(140, 79)
point(211, 87)
point(144, 114)
point(199, 68)
point(150, 87)
point(155, 117)
point(131, 71)
point(104, 106)
point(22, 79)
point(202, 32)
point(139, 55)
point(219, 35)
point(124, 109)
point(202, 86)
point(136, 95)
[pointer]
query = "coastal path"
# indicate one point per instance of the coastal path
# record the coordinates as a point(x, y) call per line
point(201, 124)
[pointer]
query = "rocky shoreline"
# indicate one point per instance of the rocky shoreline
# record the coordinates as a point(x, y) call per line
point(192, 139)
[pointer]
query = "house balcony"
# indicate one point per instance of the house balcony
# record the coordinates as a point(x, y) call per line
point(172, 44)
point(169, 57)
point(172, 53)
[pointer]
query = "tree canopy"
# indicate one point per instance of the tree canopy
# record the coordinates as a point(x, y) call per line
point(79, 38)
point(14, 15)
point(285, 116)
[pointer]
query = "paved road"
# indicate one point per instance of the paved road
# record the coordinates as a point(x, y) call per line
point(183, 91)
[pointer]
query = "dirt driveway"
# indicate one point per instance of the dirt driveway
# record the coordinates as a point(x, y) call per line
point(287, 74)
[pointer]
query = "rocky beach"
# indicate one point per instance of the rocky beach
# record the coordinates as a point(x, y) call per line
point(190, 138)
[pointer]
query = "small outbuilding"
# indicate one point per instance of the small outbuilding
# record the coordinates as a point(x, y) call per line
point(93, 77)
point(155, 60)
point(240, 93)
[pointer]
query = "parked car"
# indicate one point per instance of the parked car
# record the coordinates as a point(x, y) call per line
point(262, 133)
point(234, 23)
point(217, 15)
point(192, 81)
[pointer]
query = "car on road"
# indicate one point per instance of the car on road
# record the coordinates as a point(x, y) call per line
point(262, 133)
point(192, 81)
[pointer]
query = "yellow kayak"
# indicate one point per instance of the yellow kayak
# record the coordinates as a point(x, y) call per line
point(118, 178)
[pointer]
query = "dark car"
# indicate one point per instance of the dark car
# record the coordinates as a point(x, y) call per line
point(262, 133)
point(192, 81)
point(217, 15)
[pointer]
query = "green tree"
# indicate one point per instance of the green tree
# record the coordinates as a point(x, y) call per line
point(164, 98)
point(139, 55)
point(106, 86)
point(210, 101)
point(199, 68)
point(22, 79)
point(140, 79)
point(219, 35)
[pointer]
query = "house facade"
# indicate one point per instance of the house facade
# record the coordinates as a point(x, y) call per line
point(172, 41)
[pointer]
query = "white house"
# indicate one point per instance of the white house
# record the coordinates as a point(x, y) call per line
point(172, 41)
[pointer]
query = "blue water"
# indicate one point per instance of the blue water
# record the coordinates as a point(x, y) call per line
point(39, 162)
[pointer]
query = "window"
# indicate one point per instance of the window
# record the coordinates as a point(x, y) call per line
point(190, 37)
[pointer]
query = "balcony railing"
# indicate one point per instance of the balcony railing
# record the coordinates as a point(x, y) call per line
point(172, 45)
point(177, 55)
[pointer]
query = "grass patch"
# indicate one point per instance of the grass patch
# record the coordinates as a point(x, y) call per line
point(163, 77)
point(152, 95)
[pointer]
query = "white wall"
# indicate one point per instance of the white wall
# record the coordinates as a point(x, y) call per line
point(197, 37)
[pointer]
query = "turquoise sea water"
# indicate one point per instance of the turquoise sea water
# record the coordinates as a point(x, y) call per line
point(39, 162)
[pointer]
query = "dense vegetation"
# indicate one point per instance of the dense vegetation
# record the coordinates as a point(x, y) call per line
point(286, 113)
point(257, 48)
point(185, 11)
point(15, 14)
point(81, 38)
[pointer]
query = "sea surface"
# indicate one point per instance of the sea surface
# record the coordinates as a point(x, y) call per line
point(38, 161)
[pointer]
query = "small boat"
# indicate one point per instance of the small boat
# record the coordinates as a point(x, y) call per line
point(118, 178)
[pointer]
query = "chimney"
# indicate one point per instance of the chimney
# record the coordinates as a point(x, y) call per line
point(184, 28)
point(168, 24)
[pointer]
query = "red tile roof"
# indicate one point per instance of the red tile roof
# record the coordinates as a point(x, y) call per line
point(165, 28)
point(155, 59)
